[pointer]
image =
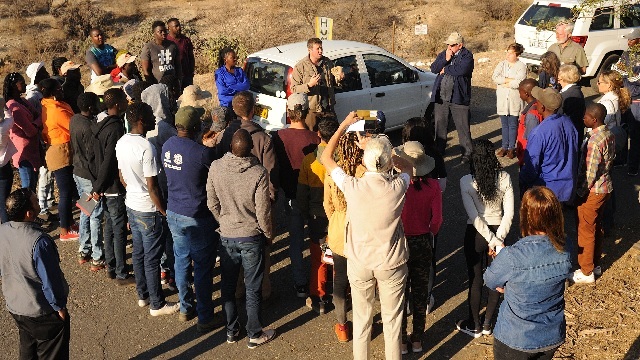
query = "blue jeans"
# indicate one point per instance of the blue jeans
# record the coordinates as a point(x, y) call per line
point(194, 239)
point(91, 241)
point(249, 255)
point(146, 231)
point(296, 245)
point(28, 176)
point(509, 131)
point(115, 235)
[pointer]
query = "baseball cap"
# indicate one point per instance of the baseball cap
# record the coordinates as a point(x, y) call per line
point(125, 59)
point(548, 97)
point(297, 99)
point(189, 116)
point(634, 34)
point(454, 38)
point(68, 65)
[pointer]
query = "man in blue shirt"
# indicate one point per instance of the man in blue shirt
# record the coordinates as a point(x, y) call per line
point(33, 284)
point(552, 150)
point(192, 225)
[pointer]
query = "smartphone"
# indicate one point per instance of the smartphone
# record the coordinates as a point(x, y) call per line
point(370, 118)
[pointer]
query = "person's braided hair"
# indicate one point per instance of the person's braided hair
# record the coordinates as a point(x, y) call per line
point(349, 157)
point(9, 85)
point(485, 169)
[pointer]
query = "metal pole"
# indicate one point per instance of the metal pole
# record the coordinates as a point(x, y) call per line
point(393, 39)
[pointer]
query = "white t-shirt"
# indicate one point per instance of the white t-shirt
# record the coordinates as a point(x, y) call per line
point(137, 161)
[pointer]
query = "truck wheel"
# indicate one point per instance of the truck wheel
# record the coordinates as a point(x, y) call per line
point(606, 65)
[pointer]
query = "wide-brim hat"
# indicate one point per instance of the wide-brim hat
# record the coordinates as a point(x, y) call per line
point(68, 65)
point(125, 59)
point(413, 152)
point(192, 95)
point(101, 84)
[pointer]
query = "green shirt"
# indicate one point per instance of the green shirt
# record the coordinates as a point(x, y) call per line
point(572, 54)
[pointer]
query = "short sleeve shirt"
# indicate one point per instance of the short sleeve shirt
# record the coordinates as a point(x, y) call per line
point(104, 57)
point(137, 161)
point(572, 54)
point(164, 58)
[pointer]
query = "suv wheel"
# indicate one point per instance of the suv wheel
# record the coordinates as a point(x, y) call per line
point(606, 65)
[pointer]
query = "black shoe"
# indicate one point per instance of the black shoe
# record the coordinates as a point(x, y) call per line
point(302, 291)
point(233, 338)
point(465, 159)
point(111, 274)
point(128, 280)
point(467, 327)
point(215, 323)
point(487, 329)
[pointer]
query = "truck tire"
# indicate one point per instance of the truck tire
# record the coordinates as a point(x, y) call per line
point(606, 65)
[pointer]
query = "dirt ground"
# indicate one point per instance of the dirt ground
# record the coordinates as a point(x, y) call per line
point(603, 321)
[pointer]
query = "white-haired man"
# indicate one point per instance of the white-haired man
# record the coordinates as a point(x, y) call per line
point(569, 51)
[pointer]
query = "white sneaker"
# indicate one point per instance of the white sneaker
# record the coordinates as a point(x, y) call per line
point(579, 278)
point(143, 302)
point(432, 302)
point(168, 309)
point(597, 271)
point(265, 337)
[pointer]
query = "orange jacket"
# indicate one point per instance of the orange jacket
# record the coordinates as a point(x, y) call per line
point(56, 116)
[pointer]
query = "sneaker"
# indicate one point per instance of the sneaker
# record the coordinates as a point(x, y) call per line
point(632, 172)
point(316, 305)
point(215, 323)
point(233, 338)
point(128, 280)
point(468, 328)
point(83, 258)
point(265, 337)
point(342, 332)
point(97, 265)
point(143, 302)
point(502, 152)
point(70, 236)
point(432, 302)
point(511, 154)
point(302, 291)
point(218, 259)
point(416, 345)
point(75, 228)
point(579, 278)
point(597, 271)
point(487, 329)
point(163, 277)
point(188, 316)
point(168, 309)
point(404, 347)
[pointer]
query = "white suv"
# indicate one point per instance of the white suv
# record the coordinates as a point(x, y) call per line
point(598, 29)
point(374, 80)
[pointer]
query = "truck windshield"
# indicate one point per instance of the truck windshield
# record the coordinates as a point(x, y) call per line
point(544, 13)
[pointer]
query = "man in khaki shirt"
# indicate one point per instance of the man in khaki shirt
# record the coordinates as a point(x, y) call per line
point(568, 51)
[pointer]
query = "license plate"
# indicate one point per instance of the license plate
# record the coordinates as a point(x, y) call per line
point(537, 43)
point(261, 112)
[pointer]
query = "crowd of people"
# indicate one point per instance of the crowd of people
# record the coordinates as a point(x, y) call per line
point(196, 189)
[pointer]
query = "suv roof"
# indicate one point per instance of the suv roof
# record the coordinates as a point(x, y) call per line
point(290, 54)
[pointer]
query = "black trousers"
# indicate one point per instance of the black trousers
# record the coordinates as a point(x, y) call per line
point(503, 352)
point(460, 115)
point(475, 252)
point(44, 337)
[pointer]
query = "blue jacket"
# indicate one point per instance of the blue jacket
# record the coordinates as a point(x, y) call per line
point(229, 84)
point(551, 157)
point(532, 273)
point(461, 68)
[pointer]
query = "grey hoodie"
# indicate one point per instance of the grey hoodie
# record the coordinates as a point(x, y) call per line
point(238, 196)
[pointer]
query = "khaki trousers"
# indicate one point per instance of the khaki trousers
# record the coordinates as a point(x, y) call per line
point(590, 233)
point(391, 285)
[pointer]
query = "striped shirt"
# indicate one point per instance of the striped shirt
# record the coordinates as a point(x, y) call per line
point(596, 161)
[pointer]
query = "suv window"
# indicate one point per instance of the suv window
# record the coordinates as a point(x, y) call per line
point(631, 18)
point(266, 77)
point(602, 19)
point(538, 13)
point(351, 79)
point(384, 70)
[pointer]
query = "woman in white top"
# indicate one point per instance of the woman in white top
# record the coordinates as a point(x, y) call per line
point(7, 149)
point(507, 76)
point(487, 196)
point(616, 99)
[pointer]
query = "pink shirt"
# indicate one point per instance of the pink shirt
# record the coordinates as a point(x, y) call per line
point(422, 212)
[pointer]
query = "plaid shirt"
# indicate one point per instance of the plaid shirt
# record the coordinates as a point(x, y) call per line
point(596, 160)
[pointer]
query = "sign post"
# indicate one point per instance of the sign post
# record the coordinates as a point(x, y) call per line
point(324, 28)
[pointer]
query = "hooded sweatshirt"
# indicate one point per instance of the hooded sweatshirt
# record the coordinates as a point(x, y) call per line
point(241, 207)
point(157, 96)
point(105, 166)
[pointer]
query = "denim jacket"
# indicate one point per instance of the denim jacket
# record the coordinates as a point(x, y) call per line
point(532, 273)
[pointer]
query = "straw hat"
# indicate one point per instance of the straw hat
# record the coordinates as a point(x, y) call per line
point(413, 152)
point(192, 95)
point(101, 84)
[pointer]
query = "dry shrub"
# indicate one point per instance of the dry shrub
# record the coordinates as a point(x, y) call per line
point(79, 17)
point(24, 8)
point(36, 48)
point(434, 40)
point(501, 10)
